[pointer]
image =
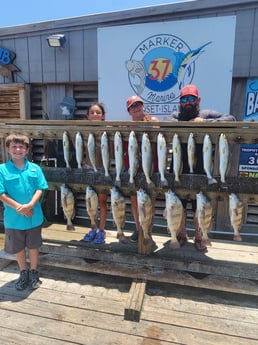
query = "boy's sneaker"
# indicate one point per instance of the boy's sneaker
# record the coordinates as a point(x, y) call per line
point(90, 236)
point(34, 281)
point(134, 236)
point(23, 281)
point(100, 237)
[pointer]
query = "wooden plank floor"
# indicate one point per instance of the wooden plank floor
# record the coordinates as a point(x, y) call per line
point(86, 308)
point(79, 307)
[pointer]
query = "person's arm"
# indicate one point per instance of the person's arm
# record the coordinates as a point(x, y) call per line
point(9, 201)
point(171, 117)
point(214, 116)
point(6, 199)
point(154, 119)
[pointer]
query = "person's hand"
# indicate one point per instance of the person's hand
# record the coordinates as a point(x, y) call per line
point(197, 119)
point(25, 210)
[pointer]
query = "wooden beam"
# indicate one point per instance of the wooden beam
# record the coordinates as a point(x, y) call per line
point(135, 299)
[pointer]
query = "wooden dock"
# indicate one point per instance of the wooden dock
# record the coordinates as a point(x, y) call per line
point(111, 295)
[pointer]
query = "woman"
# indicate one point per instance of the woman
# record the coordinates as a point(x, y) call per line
point(96, 112)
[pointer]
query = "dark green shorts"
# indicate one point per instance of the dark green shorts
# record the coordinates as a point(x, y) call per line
point(17, 240)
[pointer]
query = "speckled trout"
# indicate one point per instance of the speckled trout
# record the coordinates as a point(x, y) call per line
point(162, 159)
point(92, 151)
point(79, 149)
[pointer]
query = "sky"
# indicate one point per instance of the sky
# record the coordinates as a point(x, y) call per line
point(19, 12)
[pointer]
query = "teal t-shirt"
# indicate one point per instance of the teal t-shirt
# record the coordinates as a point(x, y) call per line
point(21, 185)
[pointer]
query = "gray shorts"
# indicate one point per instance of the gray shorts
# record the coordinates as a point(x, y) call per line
point(17, 240)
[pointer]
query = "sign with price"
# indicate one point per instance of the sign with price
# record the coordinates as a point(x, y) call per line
point(248, 162)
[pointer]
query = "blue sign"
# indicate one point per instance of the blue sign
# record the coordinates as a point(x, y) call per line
point(248, 160)
point(251, 100)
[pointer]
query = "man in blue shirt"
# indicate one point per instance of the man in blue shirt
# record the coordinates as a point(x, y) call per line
point(21, 186)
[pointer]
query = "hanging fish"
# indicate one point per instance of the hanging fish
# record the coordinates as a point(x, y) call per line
point(191, 155)
point(67, 203)
point(66, 149)
point(207, 159)
point(79, 149)
point(145, 215)
point(236, 215)
point(105, 156)
point(174, 214)
point(92, 151)
point(147, 159)
point(133, 154)
point(223, 157)
point(204, 216)
point(118, 211)
point(91, 199)
point(162, 158)
point(177, 157)
point(119, 157)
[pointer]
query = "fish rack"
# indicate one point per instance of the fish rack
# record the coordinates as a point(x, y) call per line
point(237, 133)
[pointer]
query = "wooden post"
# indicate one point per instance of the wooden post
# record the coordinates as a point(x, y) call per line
point(24, 99)
point(142, 248)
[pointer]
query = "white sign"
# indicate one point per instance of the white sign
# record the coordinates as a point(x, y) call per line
point(155, 60)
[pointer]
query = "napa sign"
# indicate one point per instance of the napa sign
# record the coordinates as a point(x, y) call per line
point(155, 60)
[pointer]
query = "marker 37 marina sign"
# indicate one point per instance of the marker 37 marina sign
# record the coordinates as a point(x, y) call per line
point(159, 67)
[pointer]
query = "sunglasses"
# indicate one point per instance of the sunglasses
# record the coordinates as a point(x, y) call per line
point(186, 99)
point(136, 105)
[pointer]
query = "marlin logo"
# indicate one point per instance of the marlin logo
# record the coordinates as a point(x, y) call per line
point(160, 66)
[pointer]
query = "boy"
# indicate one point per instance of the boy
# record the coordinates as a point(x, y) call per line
point(21, 185)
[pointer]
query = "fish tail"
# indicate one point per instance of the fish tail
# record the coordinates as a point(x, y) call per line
point(107, 179)
point(150, 185)
point(164, 183)
point(117, 183)
point(177, 180)
point(212, 180)
point(70, 227)
point(222, 179)
point(93, 226)
point(131, 185)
